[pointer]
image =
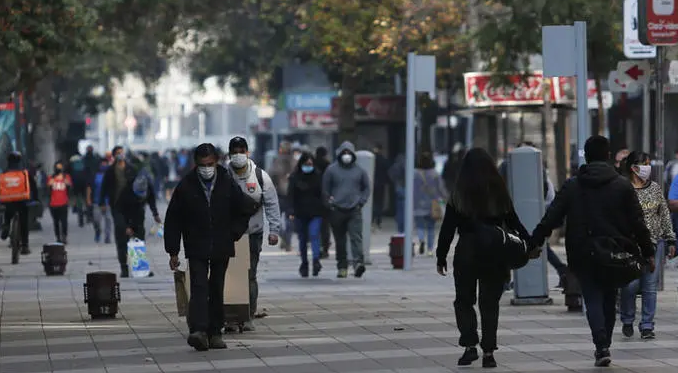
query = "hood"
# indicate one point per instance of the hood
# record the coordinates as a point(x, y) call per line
point(346, 145)
point(596, 174)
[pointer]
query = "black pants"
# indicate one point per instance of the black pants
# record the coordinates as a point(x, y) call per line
point(351, 223)
point(256, 240)
point(206, 306)
point(467, 279)
point(120, 231)
point(22, 209)
point(60, 219)
point(601, 303)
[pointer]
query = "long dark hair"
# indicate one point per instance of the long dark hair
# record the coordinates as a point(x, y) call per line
point(479, 190)
point(634, 158)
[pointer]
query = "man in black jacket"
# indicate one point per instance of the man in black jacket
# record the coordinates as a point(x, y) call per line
point(117, 178)
point(209, 211)
point(598, 196)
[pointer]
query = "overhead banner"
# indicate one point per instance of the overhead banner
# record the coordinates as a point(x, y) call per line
point(481, 91)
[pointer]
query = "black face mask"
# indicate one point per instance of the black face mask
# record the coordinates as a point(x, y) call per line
point(58, 171)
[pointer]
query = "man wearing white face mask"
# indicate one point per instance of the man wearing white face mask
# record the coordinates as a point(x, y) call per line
point(257, 185)
point(346, 188)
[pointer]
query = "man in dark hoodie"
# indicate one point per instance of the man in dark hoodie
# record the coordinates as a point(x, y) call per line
point(346, 188)
point(598, 197)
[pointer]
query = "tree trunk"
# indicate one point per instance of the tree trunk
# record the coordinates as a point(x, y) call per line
point(601, 109)
point(347, 124)
point(42, 116)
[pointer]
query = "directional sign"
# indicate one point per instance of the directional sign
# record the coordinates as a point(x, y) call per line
point(633, 48)
point(617, 85)
point(633, 71)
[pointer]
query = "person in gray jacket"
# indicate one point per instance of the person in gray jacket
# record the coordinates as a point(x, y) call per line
point(256, 184)
point(346, 188)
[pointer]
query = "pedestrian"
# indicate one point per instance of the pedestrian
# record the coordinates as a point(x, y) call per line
point(320, 164)
point(598, 204)
point(346, 189)
point(429, 190)
point(93, 196)
point(59, 185)
point(479, 196)
point(281, 169)
point(116, 179)
point(637, 168)
point(132, 202)
point(17, 189)
point(209, 212)
point(306, 211)
point(257, 185)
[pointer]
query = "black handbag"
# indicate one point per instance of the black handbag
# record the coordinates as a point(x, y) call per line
point(616, 258)
point(500, 245)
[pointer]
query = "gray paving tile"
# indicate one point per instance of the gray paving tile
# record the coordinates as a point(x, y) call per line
point(26, 366)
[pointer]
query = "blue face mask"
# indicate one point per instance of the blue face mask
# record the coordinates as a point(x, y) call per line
point(307, 169)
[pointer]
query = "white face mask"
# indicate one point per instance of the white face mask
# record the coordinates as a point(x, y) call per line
point(297, 156)
point(346, 158)
point(643, 172)
point(206, 173)
point(239, 160)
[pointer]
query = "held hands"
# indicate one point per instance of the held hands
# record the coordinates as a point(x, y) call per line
point(129, 232)
point(174, 262)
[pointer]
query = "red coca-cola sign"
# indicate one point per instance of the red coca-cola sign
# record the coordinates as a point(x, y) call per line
point(6, 106)
point(481, 90)
point(375, 108)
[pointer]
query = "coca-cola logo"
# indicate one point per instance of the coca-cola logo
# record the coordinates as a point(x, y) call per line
point(522, 90)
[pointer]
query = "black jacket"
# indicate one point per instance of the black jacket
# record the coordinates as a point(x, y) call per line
point(209, 230)
point(610, 199)
point(132, 208)
point(305, 194)
point(108, 184)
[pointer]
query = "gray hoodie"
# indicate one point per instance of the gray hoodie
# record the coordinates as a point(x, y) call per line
point(250, 186)
point(347, 186)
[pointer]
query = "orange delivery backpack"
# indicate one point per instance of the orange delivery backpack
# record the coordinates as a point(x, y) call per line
point(14, 186)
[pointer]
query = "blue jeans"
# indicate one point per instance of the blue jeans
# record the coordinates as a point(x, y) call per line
point(308, 229)
point(426, 227)
point(601, 304)
point(647, 284)
point(400, 209)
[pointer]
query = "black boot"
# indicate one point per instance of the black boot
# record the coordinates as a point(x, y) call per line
point(124, 271)
point(316, 267)
point(303, 269)
point(488, 360)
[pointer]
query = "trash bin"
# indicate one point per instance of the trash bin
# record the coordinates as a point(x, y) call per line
point(102, 294)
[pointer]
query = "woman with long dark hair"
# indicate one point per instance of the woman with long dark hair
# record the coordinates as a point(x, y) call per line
point(479, 196)
point(636, 167)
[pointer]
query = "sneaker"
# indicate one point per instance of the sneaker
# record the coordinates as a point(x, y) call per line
point(647, 334)
point(603, 358)
point(248, 326)
point(303, 269)
point(316, 268)
point(359, 270)
point(97, 237)
point(217, 343)
point(489, 361)
point(430, 253)
point(199, 341)
point(5, 233)
point(469, 356)
point(124, 272)
point(324, 255)
point(342, 273)
point(107, 240)
point(627, 330)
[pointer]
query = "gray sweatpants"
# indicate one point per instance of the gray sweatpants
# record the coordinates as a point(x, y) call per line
point(351, 223)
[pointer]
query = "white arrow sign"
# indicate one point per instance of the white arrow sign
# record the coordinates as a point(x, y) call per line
point(633, 71)
point(617, 85)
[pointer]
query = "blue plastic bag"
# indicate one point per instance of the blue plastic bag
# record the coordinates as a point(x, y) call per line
point(137, 258)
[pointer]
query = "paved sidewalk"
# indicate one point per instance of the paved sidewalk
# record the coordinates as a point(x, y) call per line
point(389, 321)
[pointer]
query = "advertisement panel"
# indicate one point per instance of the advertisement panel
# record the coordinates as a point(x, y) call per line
point(481, 91)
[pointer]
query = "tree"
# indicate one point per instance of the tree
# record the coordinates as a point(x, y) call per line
point(359, 40)
point(509, 34)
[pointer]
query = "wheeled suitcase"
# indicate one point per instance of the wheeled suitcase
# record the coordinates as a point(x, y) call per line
point(236, 287)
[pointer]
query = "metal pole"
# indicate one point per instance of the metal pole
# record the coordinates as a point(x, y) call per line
point(659, 109)
point(583, 127)
point(646, 117)
point(409, 163)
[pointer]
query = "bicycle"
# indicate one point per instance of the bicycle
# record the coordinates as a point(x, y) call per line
point(15, 238)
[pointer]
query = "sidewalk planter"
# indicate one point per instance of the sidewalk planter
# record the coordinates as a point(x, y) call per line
point(102, 294)
point(54, 259)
